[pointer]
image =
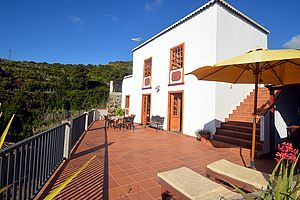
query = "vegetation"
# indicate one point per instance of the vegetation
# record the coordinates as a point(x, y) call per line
point(41, 94)
point(64, 184)
point(202, 133)
point(287, 184)
point(119, 112)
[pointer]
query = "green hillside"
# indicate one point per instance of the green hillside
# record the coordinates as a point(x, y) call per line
point(41, 93)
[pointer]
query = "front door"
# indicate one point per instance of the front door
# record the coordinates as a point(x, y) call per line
point(146, 106)
point(175, 114)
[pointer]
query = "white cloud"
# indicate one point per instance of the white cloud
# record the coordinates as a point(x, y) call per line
point(154, 4)
point(76, 20)
point(293, 43)
point(112, 17)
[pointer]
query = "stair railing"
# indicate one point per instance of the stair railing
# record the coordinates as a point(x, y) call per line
point(266, 124)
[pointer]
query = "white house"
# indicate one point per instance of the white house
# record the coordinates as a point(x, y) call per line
point(158, 84)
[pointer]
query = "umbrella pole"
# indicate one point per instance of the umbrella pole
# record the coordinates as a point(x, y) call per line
point(254, 121)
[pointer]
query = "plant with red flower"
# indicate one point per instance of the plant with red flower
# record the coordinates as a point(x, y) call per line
point(282, 185)
point(286, 152)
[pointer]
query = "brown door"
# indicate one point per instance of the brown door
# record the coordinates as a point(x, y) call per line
point(127, 102)
point(175, 112)
point(146, 106)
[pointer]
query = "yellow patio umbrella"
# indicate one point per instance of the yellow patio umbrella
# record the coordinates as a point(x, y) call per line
point(257, 66)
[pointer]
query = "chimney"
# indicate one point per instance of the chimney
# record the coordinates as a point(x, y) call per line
point(111, 87)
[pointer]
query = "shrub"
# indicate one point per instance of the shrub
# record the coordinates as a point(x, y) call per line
point(119, 111)
point(282, 187)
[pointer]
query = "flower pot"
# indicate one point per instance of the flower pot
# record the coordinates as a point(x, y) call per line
point(206, 137)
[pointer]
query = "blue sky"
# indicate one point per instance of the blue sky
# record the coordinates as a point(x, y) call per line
point(99, 31)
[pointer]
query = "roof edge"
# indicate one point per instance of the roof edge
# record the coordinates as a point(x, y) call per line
point(198, 11)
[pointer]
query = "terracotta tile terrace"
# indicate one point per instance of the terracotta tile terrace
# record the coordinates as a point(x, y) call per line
point(128, 161)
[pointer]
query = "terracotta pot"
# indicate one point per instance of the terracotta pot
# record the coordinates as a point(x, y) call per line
point(206, 137)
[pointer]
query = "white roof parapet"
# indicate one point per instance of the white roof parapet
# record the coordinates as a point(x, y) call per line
point(198, 11)
point(128, 76)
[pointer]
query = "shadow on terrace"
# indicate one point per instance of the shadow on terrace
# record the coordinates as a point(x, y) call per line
point(125, 167)
point(128, 161)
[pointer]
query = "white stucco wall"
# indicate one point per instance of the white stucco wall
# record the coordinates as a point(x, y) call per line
point(126, 89)
point(234, 37)
point(205, 102)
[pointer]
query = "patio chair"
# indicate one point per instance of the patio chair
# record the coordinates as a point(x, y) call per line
point(108, 121)
point(242, 177)
point(157, 122)
point(129, 122)
point(126, 122)
point(184, 183)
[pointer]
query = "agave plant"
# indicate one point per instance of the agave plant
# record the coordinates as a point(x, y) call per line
point(284, 186)
point(1, 144)
point(5, 131)
point(55, 192)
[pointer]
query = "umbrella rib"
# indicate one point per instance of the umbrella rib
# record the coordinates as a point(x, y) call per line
point(252, 68)
point(293, 63)
point(275, 65)
point(213, 73)
point(277, 76)
point(241, 66)
point(239, 76)
point(265, 65)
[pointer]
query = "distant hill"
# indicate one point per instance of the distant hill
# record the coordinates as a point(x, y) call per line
point(40, 93)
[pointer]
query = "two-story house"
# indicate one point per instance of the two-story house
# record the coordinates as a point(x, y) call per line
point(158, 84)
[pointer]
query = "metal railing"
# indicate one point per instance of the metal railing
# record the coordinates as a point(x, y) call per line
point(78, 128)
point(91, 115)
point(27, 165)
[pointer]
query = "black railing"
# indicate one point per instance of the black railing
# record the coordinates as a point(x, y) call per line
point(91, 115)
point(78, 128)
point(27, 165)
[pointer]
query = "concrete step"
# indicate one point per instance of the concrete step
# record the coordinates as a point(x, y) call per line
point(240, 114)
point(237, 134)
point(239, 123)
point(239, 119)
point(238, 142)
point(238, 128)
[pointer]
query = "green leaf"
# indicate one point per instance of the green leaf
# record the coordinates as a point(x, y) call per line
point(55, 192)
point(6, 131)
point(244, 194)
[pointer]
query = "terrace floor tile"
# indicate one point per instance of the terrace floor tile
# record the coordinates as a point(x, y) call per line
point(128, 161)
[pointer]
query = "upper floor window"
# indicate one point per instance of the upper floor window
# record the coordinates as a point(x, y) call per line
point(147, 73)
point(176, 64)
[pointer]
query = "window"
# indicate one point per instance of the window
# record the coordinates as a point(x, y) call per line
point(176, 65)
point(147, 67)
point(147, 73)
point(177, 56)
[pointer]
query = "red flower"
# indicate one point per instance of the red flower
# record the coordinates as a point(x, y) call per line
point(286, 151)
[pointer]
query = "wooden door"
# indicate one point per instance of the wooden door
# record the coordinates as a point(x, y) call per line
point(127, 102)
point(146, 106)
point(175, 114)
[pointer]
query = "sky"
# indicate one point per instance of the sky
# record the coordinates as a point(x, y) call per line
point(100, 31)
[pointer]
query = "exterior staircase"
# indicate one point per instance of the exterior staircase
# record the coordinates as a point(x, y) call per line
point(237, 128)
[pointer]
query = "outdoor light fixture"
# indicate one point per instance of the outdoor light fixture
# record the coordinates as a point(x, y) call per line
point(157, 88)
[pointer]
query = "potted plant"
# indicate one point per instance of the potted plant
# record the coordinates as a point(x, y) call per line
point(202, 134)
point(119, 112)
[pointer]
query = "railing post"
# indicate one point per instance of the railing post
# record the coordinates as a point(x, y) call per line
point(67, 143)
point(94, 115)
point(86, 120)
